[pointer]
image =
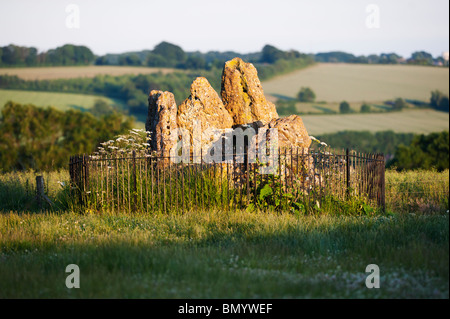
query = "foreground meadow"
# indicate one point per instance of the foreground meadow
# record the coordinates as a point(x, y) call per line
point(216, 254)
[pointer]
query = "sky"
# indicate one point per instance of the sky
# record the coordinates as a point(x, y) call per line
point(310, 26)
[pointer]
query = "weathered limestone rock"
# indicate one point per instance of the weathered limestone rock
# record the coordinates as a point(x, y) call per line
point(203, 110)
point(291, 132)
point(161, 122)
point(293, 142)
point(242, 94)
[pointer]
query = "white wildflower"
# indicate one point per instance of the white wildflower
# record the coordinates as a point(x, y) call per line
point(313, 138)
point(323, 143)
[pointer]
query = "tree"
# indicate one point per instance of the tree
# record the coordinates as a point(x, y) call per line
point(101, 108)
point(365, 108)
point(424, 152)
point(306, 95)
point(439, 101)
point(399, 104)
point(271, 54)
point(44, 138)
point(172, 53)
point(421, 57)
point(344, 107)
point(131, 59)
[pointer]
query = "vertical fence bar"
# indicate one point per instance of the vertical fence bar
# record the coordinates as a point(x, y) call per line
point(134, 183)
point(383, 183)
point(347, 163)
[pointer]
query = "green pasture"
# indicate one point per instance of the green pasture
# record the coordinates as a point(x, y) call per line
point(61, 101)
point(420, 121)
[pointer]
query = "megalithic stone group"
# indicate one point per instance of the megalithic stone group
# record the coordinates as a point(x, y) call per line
point(242, 105)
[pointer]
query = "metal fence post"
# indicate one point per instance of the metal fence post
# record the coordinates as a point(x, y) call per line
point(134, 183)
point(347, 164)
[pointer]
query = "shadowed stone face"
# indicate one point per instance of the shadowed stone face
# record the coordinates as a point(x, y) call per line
point(203, 109)
point(161, 121)
point(291, 131)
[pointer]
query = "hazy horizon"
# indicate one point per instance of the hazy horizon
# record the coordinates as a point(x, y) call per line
point(354, 26)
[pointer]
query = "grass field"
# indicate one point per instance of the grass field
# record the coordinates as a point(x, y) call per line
point(408, 121)
point(215, 254)
point(360, 82)
point(61, 101)
point(68, 72)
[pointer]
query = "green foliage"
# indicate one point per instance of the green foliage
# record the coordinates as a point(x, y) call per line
point(171, 53)
point(282, 66)
point(421, 58)
point(365, 108)
point(306, 95)
point(439, 101)
point(286, 107)
point(67, 54)
point(424, 152)
point(344, 107)
point(101, 108)
point(271, 54)
point(399, 104)
point(44, 138)
point(384, 142)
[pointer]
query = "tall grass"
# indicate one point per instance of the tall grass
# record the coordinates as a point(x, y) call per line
point(215, 253)
point(18, 190)
point(420, 191)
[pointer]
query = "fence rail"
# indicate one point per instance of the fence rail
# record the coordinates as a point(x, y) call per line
point(142, 182)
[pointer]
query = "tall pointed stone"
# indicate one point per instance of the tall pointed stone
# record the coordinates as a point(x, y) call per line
point(243, 96)
point(203, 110)
point(161, 122)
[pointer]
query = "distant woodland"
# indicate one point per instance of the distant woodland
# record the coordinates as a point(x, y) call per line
point(166, 54)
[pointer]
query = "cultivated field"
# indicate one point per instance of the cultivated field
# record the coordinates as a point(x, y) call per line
point(68, 72)
point(408, 121)
point(361, 82)
point(61, 101)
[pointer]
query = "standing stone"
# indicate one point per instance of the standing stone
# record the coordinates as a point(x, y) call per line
point(203, 110)
point(293, 139)
point(161, 122)
point(291, 132)
point(243, 96)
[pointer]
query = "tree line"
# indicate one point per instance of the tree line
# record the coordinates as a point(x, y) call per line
point(44, 138)
point(13, 55)
point(403, 151)
point(169, 55)
point(416, 58)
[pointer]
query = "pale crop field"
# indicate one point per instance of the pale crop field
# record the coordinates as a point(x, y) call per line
point(361, 82)
point(61, 101)
point(68, 72)
point(409, 121)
